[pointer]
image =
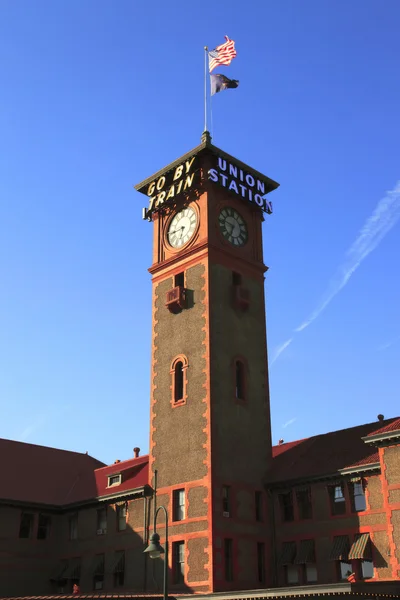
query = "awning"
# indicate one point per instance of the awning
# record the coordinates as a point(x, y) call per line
point(306, 553)
point(59, 573)
point(74, 569)
point(119, 565)
point(361, 547)
point(288, 553)
point(340, 548)
point(98, 565)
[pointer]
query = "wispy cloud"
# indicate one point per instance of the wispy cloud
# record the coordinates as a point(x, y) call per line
point(375, 228)
point(290, 422)
point(278, 351)
point(39, 422)
point(388, 344)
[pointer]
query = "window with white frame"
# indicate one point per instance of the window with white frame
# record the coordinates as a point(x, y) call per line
point(358, 496)
point(178, 556)
point(178, 505)
point(338, 500)
point(114, 480)
point(121, 516)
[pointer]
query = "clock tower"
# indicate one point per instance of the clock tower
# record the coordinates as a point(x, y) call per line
point(210, 438)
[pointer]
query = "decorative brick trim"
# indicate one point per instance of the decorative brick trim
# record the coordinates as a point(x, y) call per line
point(209, 566)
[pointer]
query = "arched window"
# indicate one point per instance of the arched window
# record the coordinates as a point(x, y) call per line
point(240, 391)
point(178, 383)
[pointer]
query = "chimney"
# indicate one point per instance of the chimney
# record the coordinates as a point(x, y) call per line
point(380, 417)
point(136, 452)
point(281, 441)
point(116, 461)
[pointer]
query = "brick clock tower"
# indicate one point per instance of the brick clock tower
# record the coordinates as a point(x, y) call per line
point(210, 437)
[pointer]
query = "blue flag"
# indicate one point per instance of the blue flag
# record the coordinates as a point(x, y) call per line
point(220, 83)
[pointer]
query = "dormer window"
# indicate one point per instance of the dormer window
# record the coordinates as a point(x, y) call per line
point(114, 480)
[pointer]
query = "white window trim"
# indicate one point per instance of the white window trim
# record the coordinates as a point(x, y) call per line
point(119, 475)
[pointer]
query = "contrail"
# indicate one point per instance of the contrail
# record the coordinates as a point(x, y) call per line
point(280, 349)
point(375, 228)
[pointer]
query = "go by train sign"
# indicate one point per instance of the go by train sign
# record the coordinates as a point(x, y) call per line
point(222, 169)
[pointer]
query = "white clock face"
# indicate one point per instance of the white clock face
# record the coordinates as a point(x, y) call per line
point(182, 227)
point(233, 226)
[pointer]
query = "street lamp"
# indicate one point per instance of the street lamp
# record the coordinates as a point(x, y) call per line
point(154, 549)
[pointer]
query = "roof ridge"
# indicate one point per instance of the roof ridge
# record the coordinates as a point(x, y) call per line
point(50, 448)
point(380, 425)
point(138, 461)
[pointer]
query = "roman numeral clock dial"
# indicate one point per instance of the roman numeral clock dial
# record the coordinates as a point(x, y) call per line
point(233, 226)
point(182, 227)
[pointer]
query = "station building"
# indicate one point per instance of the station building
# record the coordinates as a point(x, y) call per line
point(242, 514)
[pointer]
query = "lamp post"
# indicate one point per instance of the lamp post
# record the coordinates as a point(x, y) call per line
point(154, 549)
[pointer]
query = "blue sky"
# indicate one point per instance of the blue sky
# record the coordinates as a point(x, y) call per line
point(96, 96)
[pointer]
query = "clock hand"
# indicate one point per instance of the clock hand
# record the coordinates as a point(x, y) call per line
point(176, 230)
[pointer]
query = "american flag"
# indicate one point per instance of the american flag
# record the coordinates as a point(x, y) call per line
point(222, 55)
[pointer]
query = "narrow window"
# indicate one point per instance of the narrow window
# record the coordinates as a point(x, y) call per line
point(358, 501)
point(178, 505)
point(259, 506)
point(303, 497)
point(178, 556)
point(101, 520)
point(44, 523)
point(261, 562)
point(292, 574)
point(26, 525)
point(337, 498)
point(121, 517)
point(239, 380)
point(73, 527)
point(179, 381)
point(228, 556)
point(98, 575)
point(179, 280)
point(286, 503)
point(119, 568)
point(236, 278)
point(226, 500)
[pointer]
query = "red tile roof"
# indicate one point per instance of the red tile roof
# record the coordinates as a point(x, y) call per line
point(44, 475)
point(325, 454)
point(41, 475)
point(277, 450)
point(393, 426)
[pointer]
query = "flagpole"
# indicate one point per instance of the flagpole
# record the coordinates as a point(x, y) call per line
point(205, 87)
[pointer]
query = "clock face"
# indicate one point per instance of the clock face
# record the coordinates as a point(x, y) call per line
point(233, 226)
point(182, 227)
